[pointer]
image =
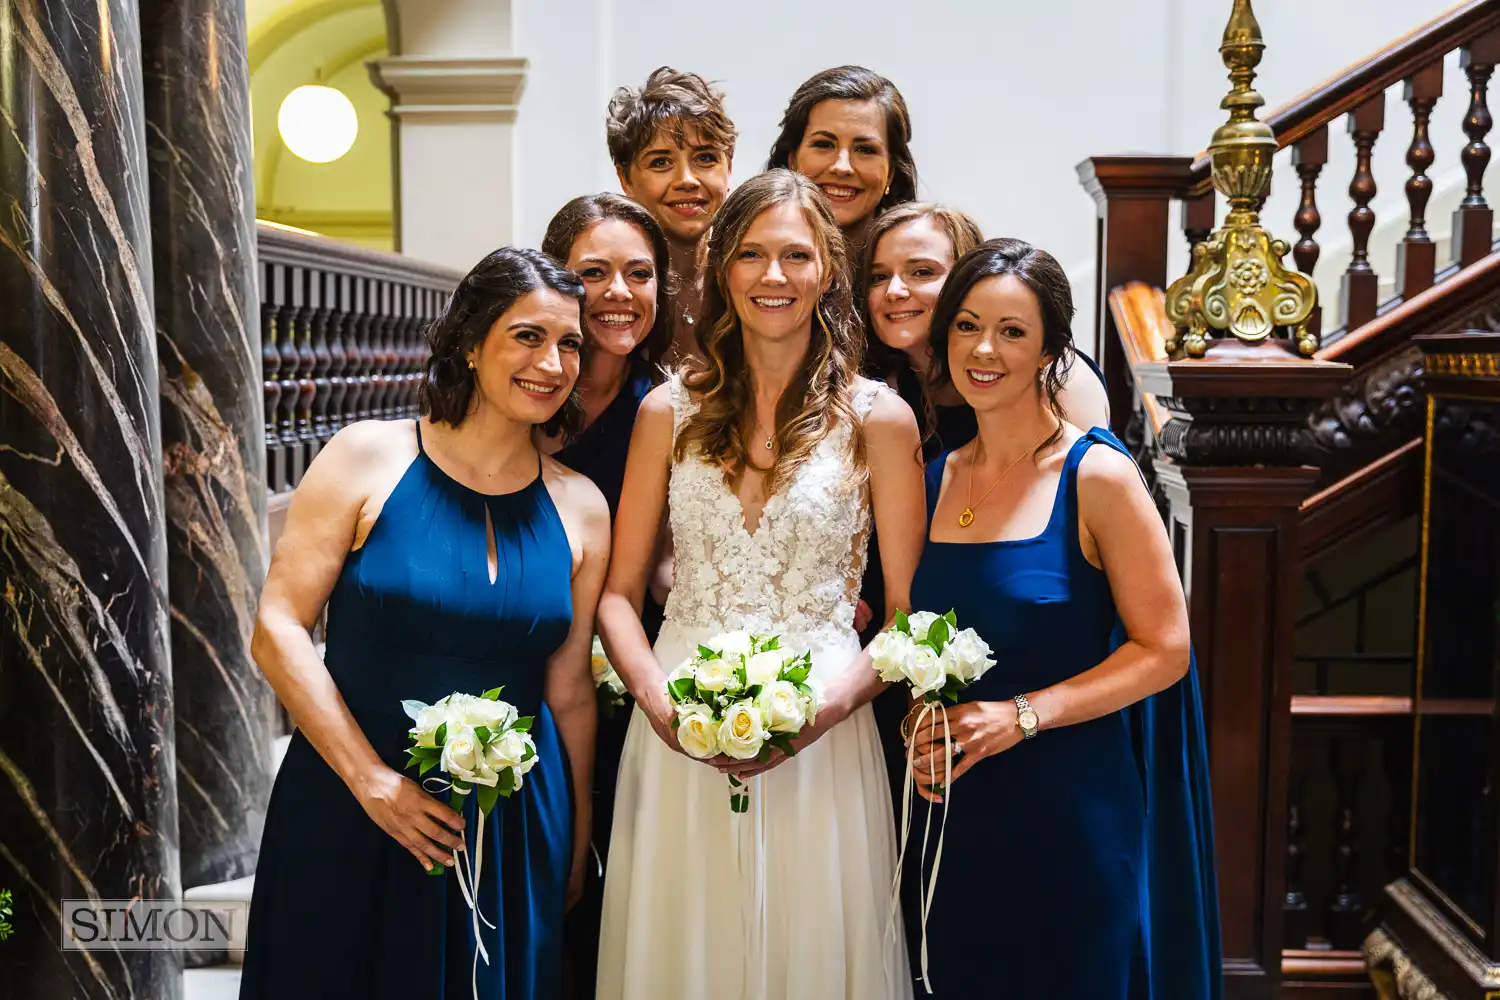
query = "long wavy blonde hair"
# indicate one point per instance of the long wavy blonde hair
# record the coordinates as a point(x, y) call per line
point(820, 398)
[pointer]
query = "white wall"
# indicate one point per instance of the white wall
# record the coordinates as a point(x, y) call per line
point(1006, 97)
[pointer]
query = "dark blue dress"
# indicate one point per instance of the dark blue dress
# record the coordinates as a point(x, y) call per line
point(341, 910)
point(1047, 886)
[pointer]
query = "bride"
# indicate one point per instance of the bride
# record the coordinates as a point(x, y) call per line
point(768, 459)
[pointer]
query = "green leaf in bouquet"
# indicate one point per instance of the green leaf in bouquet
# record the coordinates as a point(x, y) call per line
point(507, 783)
point(951, 618)
point(411, 759)
point(523, 724)
point(486, 795)
point(675, 723)
point(735, 782)
point(798, 672)
point(739, 803)
point(493, 694)
point(530, 753)
point(427, 765)
point(901, 623)
point(938, 635)
point(438, 870)
point(704, 653)
point(425, 753)
point(456, 798)
point(413, 708)
point(937, 788)
point(804, 689)
point(744, 678)
point(950, 695)
point(772, 643)
point(441, 736)
point(482, 734)
point(682, 690)
point(783, 742)
point(765, 753)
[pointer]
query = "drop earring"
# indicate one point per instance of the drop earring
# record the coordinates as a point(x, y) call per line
point(472, 366)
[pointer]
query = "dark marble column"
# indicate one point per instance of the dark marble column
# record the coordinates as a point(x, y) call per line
point(88, 793)
point(197, 93)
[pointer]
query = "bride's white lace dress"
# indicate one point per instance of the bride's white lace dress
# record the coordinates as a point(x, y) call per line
point(819, 841)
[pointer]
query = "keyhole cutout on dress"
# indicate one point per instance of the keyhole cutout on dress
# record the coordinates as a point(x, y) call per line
point(492, 558)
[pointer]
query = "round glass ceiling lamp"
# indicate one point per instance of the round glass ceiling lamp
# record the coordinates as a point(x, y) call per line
point(317, 123)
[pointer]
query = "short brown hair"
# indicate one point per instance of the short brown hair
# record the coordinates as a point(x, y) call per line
point(670, 100)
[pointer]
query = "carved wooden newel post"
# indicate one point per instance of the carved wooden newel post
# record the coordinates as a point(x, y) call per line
point(1231, 461)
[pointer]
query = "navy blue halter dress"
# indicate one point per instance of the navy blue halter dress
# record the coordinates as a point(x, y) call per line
point(341, 910)
point(1067, 854)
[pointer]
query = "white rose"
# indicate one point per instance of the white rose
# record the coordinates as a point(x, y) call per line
point(890, 652)
point(763, 668)
point(425, 722)
point(493, 715)
point(696, 733)
point(967, 656)
point(730, 643)
point(510, 750)
point(742, 733)
point(780, 705)
point(925, 671)
point(461, 755)
point(718, 674)
point(811, 702)
point(921, 621)
point(599, 663)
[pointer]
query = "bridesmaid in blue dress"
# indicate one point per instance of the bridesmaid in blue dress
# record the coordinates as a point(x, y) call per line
point(622, 255)
point(1045, 541)
point(451, 556)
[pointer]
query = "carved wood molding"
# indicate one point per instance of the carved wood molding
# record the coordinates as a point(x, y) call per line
point(1393, 972)
point(1381, 407)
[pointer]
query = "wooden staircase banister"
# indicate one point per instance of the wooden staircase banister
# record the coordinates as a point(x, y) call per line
point(1446, 303)
point(1356, 84)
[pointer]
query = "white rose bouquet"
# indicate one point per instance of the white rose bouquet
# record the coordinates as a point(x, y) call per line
point(485, 749)
point(742, 695)
point(607, 684)
point(937, 661)
point(930, 653)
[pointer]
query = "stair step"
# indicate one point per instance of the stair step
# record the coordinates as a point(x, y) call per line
point(220, 982)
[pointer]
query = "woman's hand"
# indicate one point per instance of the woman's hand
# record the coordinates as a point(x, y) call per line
point(862, 615)
point(417, 821)
point(976, 730)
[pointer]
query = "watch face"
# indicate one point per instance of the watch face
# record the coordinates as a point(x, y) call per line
point(1027, 719)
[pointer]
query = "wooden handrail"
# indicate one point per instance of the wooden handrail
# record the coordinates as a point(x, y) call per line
point(1140, 314)
point(300, 248)
point(1354, 85)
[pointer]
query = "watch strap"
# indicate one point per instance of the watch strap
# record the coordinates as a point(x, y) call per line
point(1023, 706)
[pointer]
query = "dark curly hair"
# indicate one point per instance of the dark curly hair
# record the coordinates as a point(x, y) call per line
point(853, 83)
point(1039, 271)
point(578, 215)
point(484, 295)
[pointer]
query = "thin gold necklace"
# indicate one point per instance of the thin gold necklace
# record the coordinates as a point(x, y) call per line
point(967, 517)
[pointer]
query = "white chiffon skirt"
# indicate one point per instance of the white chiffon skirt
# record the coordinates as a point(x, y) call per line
point(786, 902)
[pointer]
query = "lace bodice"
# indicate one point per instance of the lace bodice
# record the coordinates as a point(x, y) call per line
point(798, 572)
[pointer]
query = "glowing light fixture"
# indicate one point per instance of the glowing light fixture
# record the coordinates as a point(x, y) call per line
point(317, 123)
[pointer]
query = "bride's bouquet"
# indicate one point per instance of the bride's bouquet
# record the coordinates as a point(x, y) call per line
point(936, 660)
point(484, 748)
point(608, 687)
point(742, 695)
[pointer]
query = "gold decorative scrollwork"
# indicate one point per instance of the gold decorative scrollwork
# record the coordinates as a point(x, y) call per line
point(1464, 365)
point(1236, 285)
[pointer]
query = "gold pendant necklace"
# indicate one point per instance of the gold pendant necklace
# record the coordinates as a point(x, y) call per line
point(966, 518)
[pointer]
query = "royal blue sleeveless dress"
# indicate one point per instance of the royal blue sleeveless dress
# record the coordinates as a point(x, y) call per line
point(340, 909)
point(1069, 855)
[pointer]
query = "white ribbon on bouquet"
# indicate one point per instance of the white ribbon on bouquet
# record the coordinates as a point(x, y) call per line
point(925, 893)
point(468, 878)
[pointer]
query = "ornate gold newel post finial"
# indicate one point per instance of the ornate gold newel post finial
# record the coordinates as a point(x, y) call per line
point(1236, 285)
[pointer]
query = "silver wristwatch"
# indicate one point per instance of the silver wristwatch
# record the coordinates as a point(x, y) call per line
point(1025, 716)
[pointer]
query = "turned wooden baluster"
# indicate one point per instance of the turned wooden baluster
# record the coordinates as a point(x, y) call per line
point(366, 367)
point(1309, 156)
point(1360, 290)
point(1198, 218)
point(1294, 907)
point(1416, 257)
point(307, 362)
point(323, 317)
point(406, 348)
point(338, 359)
point(1344, 915)
point(1474, 221)
point(270, 362)
point(380, 355)
point(1396, 756)
point(286, 410)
